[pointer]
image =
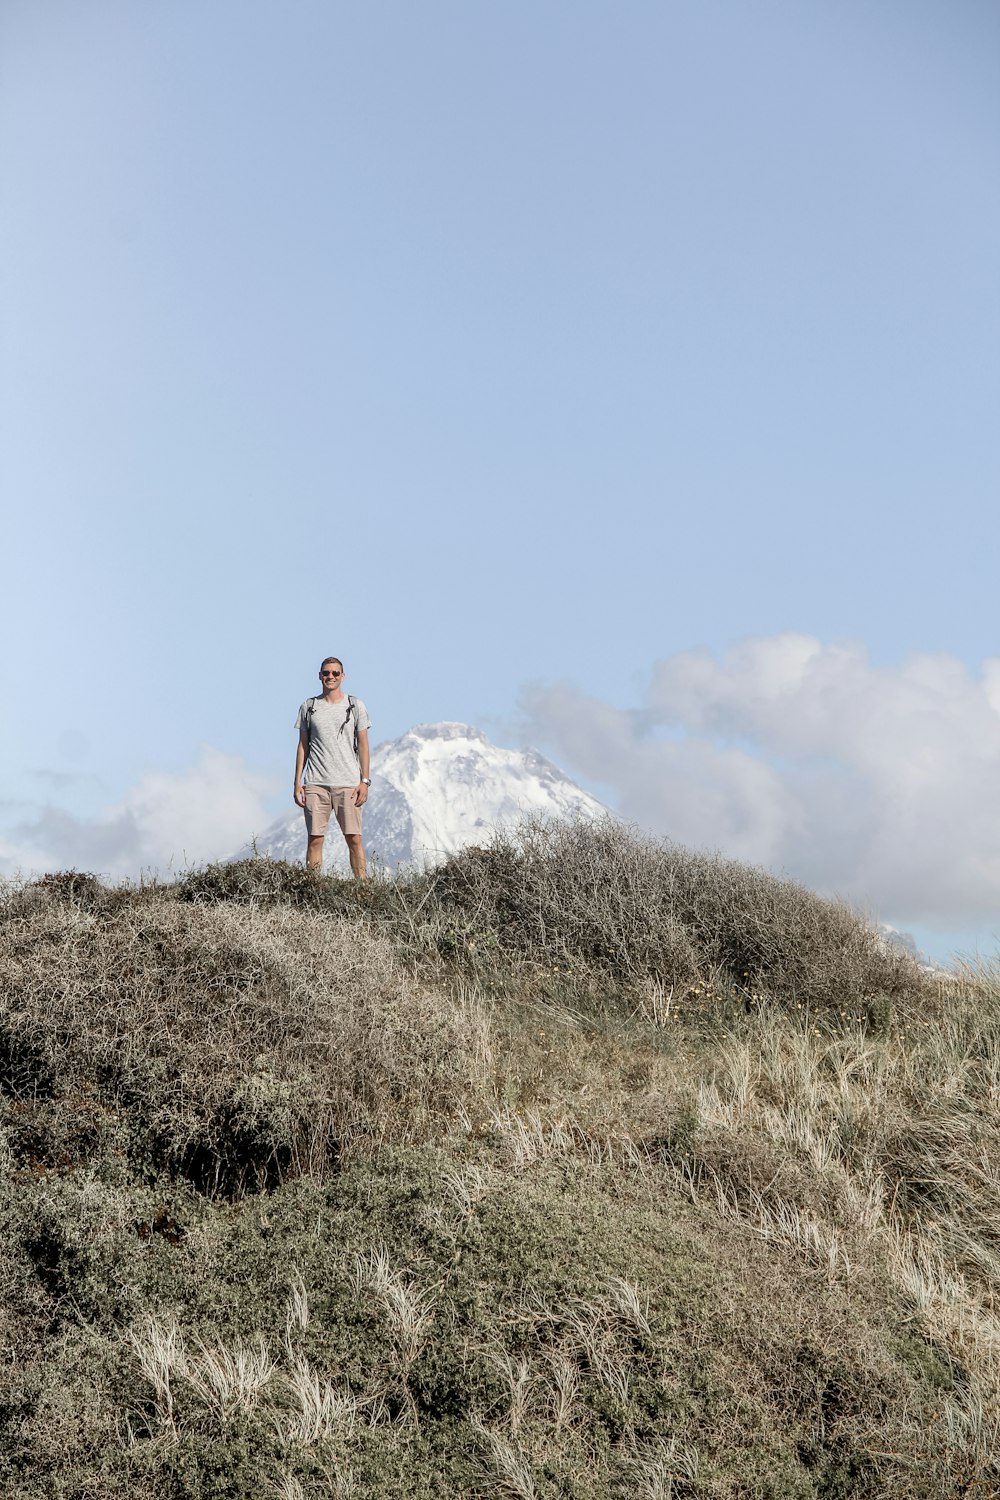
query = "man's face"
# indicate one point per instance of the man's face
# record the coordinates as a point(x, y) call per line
point(330, 675)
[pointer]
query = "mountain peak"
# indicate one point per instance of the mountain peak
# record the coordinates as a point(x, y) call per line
point(447, 730)
point(436, 789)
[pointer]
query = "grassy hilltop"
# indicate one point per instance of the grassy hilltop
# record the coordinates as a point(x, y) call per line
point(580, 1167)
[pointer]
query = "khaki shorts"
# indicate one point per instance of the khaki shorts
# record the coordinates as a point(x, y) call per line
point(321, 801)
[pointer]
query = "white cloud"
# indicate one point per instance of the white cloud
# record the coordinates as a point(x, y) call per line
point(879, 783)
point(166, 821)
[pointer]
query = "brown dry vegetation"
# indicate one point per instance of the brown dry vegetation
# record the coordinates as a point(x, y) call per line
point(582, 1166)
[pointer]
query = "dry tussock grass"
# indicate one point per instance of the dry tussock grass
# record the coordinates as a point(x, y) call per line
point(242, 1044)
point(876, 1157)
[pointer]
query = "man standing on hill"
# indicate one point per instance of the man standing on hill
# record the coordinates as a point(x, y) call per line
point(331, 766)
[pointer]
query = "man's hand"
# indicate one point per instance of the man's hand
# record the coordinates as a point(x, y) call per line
point(300, 796)
point(360, 794)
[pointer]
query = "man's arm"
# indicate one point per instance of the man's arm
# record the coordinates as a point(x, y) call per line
point(301, 751)
point(361, 795)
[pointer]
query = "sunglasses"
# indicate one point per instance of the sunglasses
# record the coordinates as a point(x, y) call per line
point(331, 674)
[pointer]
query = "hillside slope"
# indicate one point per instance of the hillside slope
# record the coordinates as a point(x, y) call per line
point(579, 1166)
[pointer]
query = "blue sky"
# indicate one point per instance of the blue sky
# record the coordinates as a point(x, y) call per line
point(528, 356)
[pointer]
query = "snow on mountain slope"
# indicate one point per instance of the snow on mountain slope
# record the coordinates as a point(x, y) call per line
point(436, 789)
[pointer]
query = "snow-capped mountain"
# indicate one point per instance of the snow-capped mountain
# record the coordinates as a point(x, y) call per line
point(436, 789)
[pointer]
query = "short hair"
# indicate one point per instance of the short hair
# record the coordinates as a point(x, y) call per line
point(327, 659)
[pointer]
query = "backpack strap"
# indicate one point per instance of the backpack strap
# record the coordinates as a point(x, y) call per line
point(352, 710)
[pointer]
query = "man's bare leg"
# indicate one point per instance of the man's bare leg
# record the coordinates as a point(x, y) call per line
point(356, 849)
point(314, 852)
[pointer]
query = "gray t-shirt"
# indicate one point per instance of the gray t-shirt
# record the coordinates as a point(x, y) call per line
point(331, 760)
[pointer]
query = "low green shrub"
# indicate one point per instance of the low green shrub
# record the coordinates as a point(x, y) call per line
point(265, 882)
point(428, 1325)
point(600, 897)
point(70, 891)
